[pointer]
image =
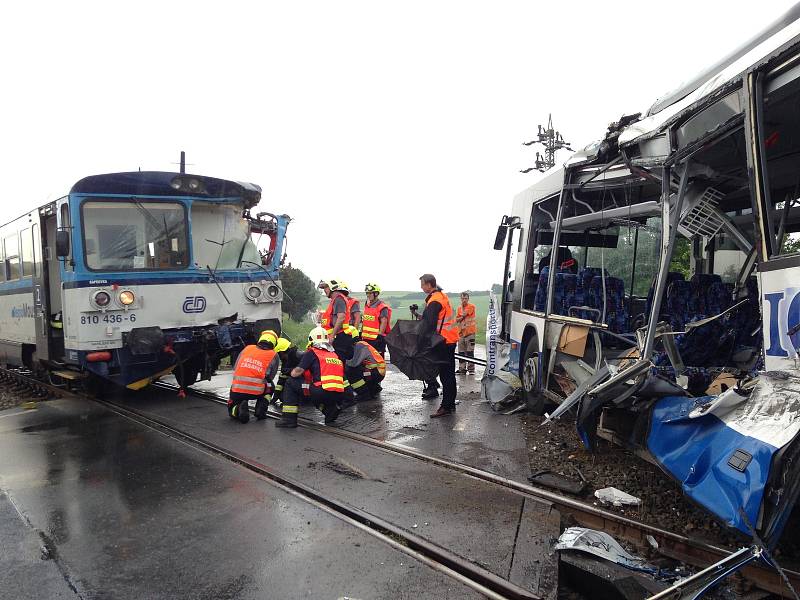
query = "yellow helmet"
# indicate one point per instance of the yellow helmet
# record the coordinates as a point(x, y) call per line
point(337, 285)
point(372, 287)
point(268, 336)
point(282, 345)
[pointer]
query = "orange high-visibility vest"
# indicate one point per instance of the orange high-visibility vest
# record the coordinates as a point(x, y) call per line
point(376, 361)
point(331, 370)
point(468, 325)
point(328, 318)
point(251, 369)
point(371, 320)
point(445, 324)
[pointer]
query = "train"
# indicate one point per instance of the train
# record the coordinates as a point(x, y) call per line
point(132, 276)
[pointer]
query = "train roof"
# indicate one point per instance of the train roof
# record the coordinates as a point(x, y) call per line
point(160, 183)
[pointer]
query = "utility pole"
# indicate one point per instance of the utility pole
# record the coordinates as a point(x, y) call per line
point(552, 142)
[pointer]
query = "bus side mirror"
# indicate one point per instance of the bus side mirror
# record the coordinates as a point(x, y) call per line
point(500, 238)
point(62, 243)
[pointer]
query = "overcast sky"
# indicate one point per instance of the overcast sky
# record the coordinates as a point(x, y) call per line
point(390, 132)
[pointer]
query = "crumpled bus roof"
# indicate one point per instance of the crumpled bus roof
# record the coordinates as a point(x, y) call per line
point(727, 70)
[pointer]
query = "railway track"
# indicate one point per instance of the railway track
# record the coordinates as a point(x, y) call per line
point(693, 552)
point(676, 546)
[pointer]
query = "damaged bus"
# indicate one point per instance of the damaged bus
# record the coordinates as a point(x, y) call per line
point(654, 291)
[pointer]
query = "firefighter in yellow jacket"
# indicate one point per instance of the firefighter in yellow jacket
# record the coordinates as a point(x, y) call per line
point(252, 378)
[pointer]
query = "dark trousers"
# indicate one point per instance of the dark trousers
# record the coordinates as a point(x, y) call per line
point(293, 394)
point(374, 381)
point(379, 344)
point(447, 375)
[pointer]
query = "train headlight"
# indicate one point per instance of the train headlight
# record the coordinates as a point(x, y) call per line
point(126, 297)
point(273, 291)
point(254, 292)
point(101, 299)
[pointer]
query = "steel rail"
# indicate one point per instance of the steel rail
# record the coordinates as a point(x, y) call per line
point(437, 557)
point(697, 553)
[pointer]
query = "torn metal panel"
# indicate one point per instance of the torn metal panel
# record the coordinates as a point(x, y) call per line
point(724, 458)
point(656, 122)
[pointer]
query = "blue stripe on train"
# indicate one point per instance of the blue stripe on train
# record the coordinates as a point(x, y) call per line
point(161, 278)
point(696, 453)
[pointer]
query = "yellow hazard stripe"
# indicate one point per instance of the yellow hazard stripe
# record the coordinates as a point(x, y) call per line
point(359, 384)
point(289, 410)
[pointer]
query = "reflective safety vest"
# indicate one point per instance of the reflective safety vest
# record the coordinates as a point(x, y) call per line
point(251, 369)
point(375, 361)
point(445, 324)
point(328, 318)
point(468, 325)
point(371, 320)
point(331, 370)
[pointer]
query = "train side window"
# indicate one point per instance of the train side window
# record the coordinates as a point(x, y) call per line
point(26, 252)
point(2, 263)
point(11, 245)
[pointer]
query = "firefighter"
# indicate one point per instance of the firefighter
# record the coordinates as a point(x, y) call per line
point(438, 318)
point(338, 317)
point(467, 328)
point(365, 371)
point(290, 356)
point(252, 378)
point(376, 319)
point(321, 366)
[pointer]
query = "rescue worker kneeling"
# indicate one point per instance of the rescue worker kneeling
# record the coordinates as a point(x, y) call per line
point(252, 378)
point(324, 370)
point(365, 371)
point(290, 358)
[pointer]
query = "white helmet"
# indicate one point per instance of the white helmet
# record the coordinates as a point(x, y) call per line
point(318, 337)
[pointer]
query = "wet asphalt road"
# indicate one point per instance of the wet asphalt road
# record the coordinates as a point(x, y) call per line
point(129, 512)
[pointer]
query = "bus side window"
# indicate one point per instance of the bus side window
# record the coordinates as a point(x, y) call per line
point(781, 151)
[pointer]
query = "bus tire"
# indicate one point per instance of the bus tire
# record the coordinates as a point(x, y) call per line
point(530, 376)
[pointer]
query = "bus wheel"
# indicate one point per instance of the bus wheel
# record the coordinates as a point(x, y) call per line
point(530, 380)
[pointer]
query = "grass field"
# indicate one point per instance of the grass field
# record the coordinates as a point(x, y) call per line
point(298, 332)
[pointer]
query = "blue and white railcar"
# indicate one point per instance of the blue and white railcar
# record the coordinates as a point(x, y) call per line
point(135, 275)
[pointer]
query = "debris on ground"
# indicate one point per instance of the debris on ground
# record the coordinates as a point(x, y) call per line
point(599, 544)
point(612, 495)
point(339, 466)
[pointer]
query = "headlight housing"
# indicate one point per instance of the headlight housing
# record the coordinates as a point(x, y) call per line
point(101, 299)
point(253, 292)
point(273, 291)
point(127, 297)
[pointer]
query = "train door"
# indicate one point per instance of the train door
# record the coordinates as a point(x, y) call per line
point(55, 218)
point(40, 304)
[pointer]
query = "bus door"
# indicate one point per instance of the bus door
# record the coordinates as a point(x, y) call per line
point(775, 96)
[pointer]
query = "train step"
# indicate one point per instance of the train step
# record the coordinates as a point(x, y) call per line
point(71, 375)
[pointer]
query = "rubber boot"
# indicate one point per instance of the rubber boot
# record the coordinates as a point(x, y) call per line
point(331, 411)
point(241, 412)
point(260, 411)
point(288, 420)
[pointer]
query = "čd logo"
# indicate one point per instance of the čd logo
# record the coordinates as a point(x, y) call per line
point(194, 304)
